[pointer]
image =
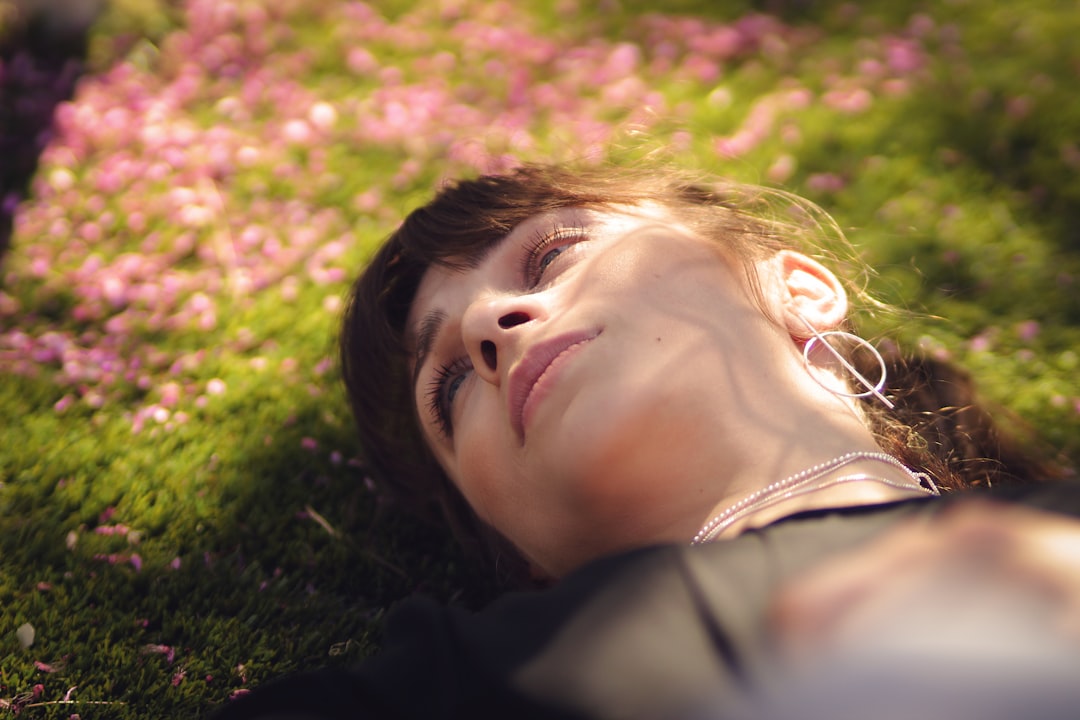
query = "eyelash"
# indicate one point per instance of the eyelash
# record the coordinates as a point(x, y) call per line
point(437, 401)
point(542, 240)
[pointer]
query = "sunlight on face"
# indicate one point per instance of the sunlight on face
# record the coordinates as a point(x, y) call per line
point(566, 382)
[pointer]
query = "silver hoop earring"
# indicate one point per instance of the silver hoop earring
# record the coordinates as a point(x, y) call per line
point(871, 387)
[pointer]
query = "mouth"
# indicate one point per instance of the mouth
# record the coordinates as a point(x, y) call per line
point(532, 375)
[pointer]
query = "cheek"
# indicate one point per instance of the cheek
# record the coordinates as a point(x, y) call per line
point(485, 469)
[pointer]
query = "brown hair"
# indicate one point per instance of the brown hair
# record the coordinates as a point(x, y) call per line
point(937, 426)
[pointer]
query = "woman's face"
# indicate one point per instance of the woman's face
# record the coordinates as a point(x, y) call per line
point(580, 381)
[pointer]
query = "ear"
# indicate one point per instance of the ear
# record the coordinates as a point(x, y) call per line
point(809, 293)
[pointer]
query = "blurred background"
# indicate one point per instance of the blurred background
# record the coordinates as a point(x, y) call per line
point(187, 188)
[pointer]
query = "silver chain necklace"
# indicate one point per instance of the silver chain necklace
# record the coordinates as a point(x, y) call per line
point(800, 484)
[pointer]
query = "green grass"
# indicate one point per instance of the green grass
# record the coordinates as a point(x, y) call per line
point(238, 528)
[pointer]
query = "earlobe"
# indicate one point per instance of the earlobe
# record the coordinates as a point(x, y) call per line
point(811, 294)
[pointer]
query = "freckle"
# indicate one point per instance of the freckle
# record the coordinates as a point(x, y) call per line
point(657, 339)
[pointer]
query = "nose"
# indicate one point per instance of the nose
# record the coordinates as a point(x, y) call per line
point(492, 329)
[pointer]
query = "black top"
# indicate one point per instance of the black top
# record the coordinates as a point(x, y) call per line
point(671, 631)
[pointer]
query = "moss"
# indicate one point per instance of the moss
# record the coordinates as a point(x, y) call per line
point(183, 510)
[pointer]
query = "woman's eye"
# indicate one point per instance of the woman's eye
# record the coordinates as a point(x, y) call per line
point(548, 258)
point(442, 391)
point(452, 387)
point(546, 249)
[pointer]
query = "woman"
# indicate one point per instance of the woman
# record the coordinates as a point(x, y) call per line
point(597, 374)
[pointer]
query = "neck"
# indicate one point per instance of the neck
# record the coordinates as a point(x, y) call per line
point(850, 479)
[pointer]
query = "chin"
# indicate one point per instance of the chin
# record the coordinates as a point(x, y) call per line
point(619, 479)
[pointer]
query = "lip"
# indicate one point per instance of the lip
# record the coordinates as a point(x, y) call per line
point(533, 367)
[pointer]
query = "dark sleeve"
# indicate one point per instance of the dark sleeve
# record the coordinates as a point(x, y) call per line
point(1055, 496)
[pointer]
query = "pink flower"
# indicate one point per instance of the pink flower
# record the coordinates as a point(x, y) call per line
point(980, 343)
point(195, 216)
point(1028, 330)
point(167, 651)
point(296, 132)
point(207, 321)
point(903, 56)
point(8, 304)
point(850, 101)
point(118, 529)
point(323, 116)
point(361, 61)
point(623, 60)
point(825, 182)
point(894, 87)
point(368, 201)
point(781, 169)
point(735, 145)
point(921, 25)
point(798, 99)
point(170, 394)
point(61, 179)
point(1019, 108)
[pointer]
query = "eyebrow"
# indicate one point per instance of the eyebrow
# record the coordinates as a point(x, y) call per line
point(426, 333)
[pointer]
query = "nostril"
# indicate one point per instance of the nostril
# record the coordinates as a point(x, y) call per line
point(513, 319)
point(487, 350)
